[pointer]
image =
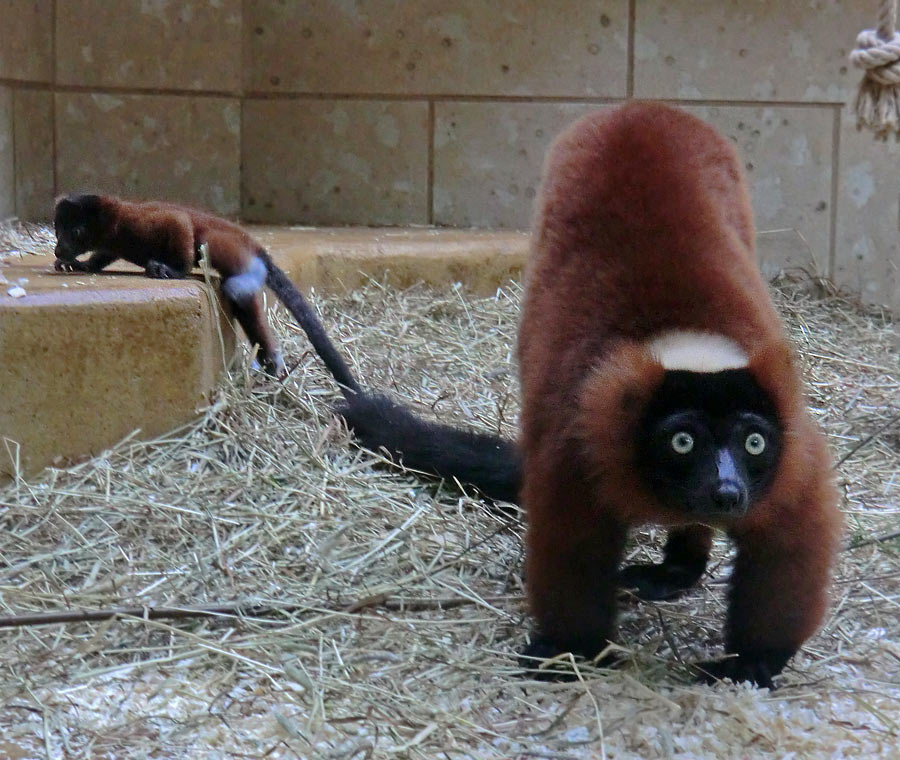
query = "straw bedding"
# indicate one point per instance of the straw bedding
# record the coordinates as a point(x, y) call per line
point(397, 606)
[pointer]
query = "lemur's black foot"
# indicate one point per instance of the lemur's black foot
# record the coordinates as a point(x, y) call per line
point(543, 648)
point(274, 366)
point(160, 271)
point(655, 582)
point(759, 668)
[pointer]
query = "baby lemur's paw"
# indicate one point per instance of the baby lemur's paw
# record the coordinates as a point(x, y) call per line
point(275, 366)
point(69, 265)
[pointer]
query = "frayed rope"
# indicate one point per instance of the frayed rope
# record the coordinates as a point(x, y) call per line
point(878, 53)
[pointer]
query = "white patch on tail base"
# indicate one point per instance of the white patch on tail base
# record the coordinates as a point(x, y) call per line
point(244, 286)
point(697, 351)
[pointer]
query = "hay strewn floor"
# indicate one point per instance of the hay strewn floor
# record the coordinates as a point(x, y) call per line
point(406, 600)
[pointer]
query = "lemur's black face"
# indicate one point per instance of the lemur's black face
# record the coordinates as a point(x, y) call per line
point(76, 220)
point(710, 443)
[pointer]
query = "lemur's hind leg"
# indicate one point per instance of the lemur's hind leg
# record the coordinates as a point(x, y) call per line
point(244, 293)
point(176, 252)
point(252, 316)
point(684, 560)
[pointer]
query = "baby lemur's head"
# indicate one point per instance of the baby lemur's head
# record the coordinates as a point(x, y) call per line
point(77, 222)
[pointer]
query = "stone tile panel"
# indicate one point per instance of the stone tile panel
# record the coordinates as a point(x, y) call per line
point(335, 162)
point(867, 250)
point(7, 164)
point(34, 154)
point(26, 28)
point(787, 155)
point(181, 148)
point(488, 157)
point(191, 45)
point(517, 47)
point(747, 49)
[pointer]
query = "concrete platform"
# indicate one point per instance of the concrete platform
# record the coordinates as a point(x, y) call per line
point(87, 359)
point(336, 260)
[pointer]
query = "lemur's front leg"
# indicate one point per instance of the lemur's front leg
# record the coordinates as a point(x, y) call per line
point(779, 592)
point(572, 555)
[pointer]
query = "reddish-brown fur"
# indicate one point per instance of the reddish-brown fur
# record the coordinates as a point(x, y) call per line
point(645, 225)
point(172, 235)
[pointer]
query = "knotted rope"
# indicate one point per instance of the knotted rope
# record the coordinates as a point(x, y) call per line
point(878, 52)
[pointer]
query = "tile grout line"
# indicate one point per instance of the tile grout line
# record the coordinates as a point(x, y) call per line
point(56, 87)
point(835, 183)
point(53, 90)
point(15, 172)
point(563, 99)
point(410, 97)
point(629, 65)
point(429, 186)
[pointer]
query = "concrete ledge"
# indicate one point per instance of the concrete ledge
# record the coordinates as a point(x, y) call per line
point(87, 359)
point(337, 260)
point(84, 365)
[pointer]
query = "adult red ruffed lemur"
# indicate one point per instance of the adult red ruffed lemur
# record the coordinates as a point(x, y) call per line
point(658, 386)
point(166, 240)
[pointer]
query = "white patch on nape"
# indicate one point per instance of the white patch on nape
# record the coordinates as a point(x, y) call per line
point(244, 286)
point(697, 351)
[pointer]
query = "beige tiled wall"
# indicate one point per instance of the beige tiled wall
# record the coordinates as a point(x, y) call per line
point(487, 159)
point(781, 50)
point(26, 40)
point(437, 111)
point(326, 160)
point(512, 47)
point(34, 153)
point(180, 146)
point(867, 249)
point(186, 45)
point(787, 154)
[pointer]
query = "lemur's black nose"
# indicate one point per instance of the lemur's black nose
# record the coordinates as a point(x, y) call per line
point(729, 496)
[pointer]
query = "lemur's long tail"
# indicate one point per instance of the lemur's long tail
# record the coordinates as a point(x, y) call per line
point(299, 307)
point(487, 462)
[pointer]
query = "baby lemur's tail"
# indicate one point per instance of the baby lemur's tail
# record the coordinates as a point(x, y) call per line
point(299, 307)
point(487, 462)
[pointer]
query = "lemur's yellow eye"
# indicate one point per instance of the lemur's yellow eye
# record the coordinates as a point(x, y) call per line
point(682, 442)
point(755, 444)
